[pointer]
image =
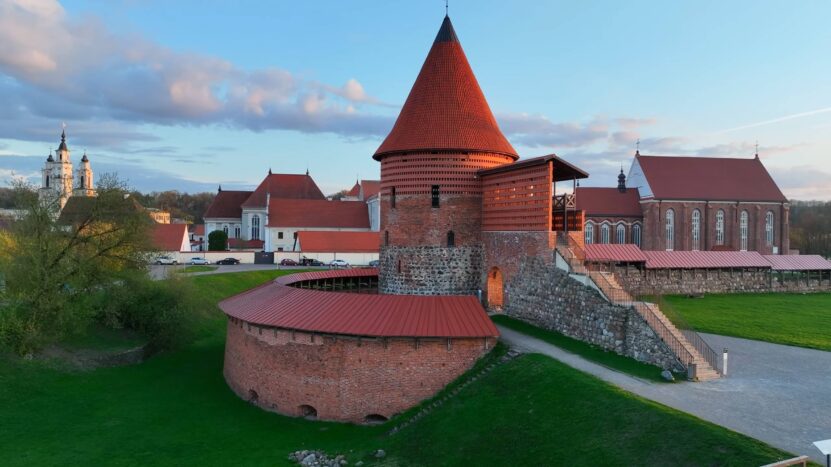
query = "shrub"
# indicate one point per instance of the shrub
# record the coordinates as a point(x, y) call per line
point(217, 241)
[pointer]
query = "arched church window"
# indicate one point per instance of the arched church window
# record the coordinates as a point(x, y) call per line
point(743, 228)
point(255, 227)
point(696, 230)
point(236, 231)
point(769, 228)
point(620, 233)
point(588, 230)
point(225, 229)
point(636, 235)
point(605, 233)
point(670, 229)
point(720, 227)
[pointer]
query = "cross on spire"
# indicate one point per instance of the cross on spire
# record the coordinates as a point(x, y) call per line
point(637, 147)
point(446, 7)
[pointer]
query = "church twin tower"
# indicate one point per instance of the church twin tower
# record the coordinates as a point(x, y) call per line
point(59, 182)
point(431, 197)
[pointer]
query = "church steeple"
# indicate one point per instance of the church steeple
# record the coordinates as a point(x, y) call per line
point(621, 181)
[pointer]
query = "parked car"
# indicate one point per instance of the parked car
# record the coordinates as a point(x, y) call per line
point(228, 261)
point(310, 262)
point(338, 263)
point(288, 262)
point(199, 261)
point(374, 263)
point(166, 260)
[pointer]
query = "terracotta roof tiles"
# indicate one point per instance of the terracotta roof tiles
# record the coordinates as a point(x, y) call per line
point(609, 202)
point(318, 213)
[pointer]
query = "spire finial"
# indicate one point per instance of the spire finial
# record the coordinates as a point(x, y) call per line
point(638, 147)
point(757, 149)
point(269, 170)
point(220, 188)
point(446, 7)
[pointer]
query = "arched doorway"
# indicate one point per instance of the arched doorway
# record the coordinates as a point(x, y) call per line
point(496, 290)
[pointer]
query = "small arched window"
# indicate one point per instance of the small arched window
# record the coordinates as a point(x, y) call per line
point(769, 228)
point(236, 231)
point(451, 239)
point(589, 233)
point(670, 229)
point(605, 233)
point(743, 229)
point(720, 227)
point(386, 238)
point(255, 227)
point(225, 229)
point(636, 235)
point(620, 234)
point(696, 230)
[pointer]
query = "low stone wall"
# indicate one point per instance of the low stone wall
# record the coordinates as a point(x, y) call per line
point(342, 378)
point(545, 296)
point(701, 281)
point(430, 270)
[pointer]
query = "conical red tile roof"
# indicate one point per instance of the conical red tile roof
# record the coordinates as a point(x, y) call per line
point(446, 109)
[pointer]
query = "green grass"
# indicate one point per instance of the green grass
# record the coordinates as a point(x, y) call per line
point(98, 337)
point(197, 268)
point(175, 409)
point(589, 352)
point(791, 319)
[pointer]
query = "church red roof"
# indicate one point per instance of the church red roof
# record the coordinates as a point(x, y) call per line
point(318, 213)
point(371, 188)
point(446, 109)
point(227, 204)
point(170, 237)
point(284, 186)
point(355, 191)
point(609, 202)
point(709, 179)
point(339, 242)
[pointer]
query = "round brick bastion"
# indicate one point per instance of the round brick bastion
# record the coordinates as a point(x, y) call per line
point(297, 349)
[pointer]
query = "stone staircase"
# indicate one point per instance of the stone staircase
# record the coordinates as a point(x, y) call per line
point(700, 360)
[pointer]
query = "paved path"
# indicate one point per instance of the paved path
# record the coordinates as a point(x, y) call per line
point(775, 393)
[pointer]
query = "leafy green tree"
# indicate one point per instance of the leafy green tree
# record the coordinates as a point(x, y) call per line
point(58, 259)
point(217, 241)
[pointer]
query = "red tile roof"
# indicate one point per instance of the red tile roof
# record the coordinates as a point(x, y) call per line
point(370, 188)
point(284, 186)
point(277, 305)
point(318, 213)
point(240, 244)
point(709, 179)
point(197, 229)
point(609, 202)
point(227, 204)
point(614, 253)
point(798, 262)
point(704, 259)
point(446, 109)
point(339, 242)
point(562, 170)
point(170, 237)
point(355, 191)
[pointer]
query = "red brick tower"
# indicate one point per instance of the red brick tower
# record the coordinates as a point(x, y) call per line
point(431, 199)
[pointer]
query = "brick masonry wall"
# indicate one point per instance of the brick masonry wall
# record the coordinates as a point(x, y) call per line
point(504, 253)
point(700, 281)
point(343, 378)
point(414, 222)
point(547, 297)
point(430, 270)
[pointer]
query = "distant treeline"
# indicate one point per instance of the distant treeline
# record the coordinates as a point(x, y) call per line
point(187, 206)
point(811, 227)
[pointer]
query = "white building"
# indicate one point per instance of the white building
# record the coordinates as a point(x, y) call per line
point(59, 181)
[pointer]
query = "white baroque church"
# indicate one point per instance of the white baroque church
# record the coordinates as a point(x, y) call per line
point(59, 182)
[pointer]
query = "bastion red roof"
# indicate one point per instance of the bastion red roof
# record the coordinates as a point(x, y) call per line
point(609, 202)
point(798, 262)
point(446, 109)
point(704, 259)
point(339, 242)
point(318, 213)
point(709, 179)
point(278, 305)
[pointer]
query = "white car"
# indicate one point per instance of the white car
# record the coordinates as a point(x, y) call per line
point(200, 261)
point(338, 263)
point(166, 260)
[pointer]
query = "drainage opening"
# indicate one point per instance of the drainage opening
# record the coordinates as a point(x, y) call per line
point(375, 419)
point(308, 412)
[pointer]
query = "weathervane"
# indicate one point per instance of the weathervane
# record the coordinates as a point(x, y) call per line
point(446, 7)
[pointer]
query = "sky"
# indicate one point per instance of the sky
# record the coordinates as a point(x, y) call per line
point(188, 94)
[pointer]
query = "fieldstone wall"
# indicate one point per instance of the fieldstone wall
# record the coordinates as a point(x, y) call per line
point(340, 377)
point(430, 270)
point(701, 281)
point(545, 296)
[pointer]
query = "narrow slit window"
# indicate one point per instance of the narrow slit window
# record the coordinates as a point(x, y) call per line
point(392, 197)
point(435, 195)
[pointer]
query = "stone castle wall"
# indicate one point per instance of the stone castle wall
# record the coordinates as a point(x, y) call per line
point(342, 378)
point(545, 296)
point(430, 270)
point(702, 281)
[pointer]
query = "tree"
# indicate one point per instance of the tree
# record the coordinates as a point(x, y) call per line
point(58, 259)
point(217, 241)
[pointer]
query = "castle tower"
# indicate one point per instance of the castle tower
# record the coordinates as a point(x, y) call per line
point(84, 177)
point(431, 198)
point(57, 174)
